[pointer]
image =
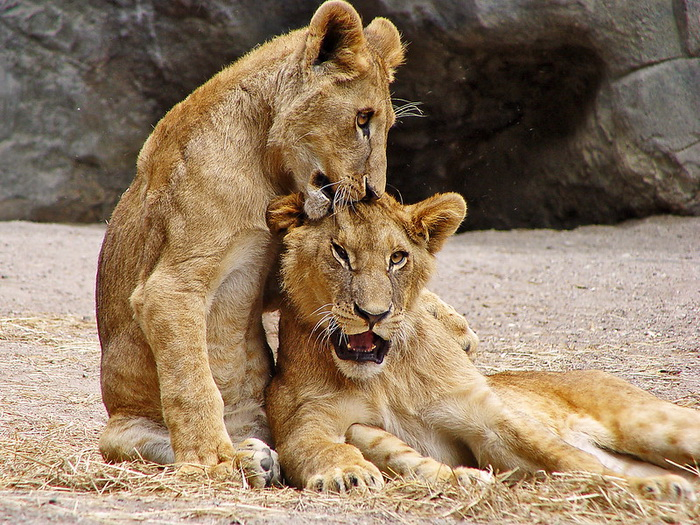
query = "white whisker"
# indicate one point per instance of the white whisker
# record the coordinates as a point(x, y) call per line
point(407, 109)
point(352, 205)
point(329, 185)
point(328, 331)
point(339, 197)
point(397, 191)
point(318, 329)
point(317, 310)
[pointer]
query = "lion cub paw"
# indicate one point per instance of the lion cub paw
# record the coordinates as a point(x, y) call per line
point(259, 463)
point(455, 325)
point(343, 479)
point(435, 472)
point(665, 488)
point(472, 477)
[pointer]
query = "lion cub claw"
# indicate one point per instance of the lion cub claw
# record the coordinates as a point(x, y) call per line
point(664, 488)
point(346, 478)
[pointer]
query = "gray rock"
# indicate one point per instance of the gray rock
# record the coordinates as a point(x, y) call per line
point(541, 113)
point(688, 17)
point(82, 84)
point(657, 110)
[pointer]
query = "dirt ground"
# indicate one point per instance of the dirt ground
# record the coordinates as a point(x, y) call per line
point(625, 299)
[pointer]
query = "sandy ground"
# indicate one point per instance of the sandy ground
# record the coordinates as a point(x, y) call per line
point(625, 299)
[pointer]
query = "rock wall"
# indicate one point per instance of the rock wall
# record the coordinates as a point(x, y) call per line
point(541, 113)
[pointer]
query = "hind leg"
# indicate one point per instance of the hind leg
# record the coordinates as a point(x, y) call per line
point(627, 430)
point(128, 438)
point(526, 432)
point(627, 419)
point(647, 427)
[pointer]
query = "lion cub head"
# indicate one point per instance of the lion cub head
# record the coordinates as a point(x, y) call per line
point(353, 277)
point(335, 107)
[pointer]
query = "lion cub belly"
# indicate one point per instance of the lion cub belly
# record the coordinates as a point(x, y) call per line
point(239, 357)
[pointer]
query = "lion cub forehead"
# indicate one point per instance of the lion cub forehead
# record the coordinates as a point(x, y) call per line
point(375, 212)
point(376, 225)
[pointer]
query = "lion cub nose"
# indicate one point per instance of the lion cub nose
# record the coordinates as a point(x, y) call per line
point(372, 319)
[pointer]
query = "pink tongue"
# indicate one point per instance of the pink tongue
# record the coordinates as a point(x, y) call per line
point(361, 342)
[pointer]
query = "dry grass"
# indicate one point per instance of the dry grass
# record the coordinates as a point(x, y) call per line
point(51, 414)
point(562, 498)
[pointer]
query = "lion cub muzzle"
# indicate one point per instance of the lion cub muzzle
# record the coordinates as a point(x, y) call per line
point(361, 188)
point(363, 345)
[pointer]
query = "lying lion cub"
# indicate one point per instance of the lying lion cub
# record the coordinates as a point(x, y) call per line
point(367, 381)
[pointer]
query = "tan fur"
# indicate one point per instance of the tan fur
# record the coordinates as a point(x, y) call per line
point(338, 423)
point(187, 252)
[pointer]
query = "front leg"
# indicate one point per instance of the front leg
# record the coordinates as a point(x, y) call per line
point(310, 441)
point(525, 443)
point(317, 459)
point(171, 315)
point(396, 458)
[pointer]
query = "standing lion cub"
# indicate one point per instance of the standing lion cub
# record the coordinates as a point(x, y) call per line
point(367, 381)
point(187, 251)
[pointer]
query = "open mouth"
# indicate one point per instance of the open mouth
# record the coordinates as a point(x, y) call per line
point(363, 347)
point(323, 183)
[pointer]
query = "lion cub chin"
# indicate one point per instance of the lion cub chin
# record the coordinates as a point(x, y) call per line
point(369, 382)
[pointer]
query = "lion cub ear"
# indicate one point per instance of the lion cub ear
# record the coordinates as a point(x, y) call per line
point(436, 218)
point(335, 40)
point(285, 213)
point(385, 39)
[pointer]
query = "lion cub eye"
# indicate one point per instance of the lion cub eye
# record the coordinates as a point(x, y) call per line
point(362, 120)
point(340, 254)
point(398, 259)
